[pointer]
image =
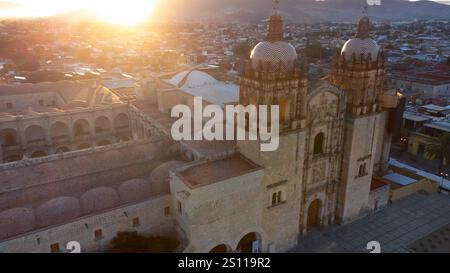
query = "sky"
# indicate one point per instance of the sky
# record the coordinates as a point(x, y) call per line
point(107, 9)
point(111, 10)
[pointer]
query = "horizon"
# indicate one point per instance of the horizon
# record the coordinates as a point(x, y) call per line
point(116, 11)
point(141, 9)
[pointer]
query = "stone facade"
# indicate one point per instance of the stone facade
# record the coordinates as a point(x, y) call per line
point(207, 217)
point(150, 214)
point(76, 116)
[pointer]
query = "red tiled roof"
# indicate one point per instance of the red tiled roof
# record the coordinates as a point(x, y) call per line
point(376, 184)
point(219, 170)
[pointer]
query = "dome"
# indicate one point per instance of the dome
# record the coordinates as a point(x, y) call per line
point(134, 190)
point(99, 199)
point(192, 78)
point(160, 177)
point(274, 52)
point(362, 44)
point(360, 47)
point(82, 164)
point(56, 211)
point(10, 180)
point(16, 221)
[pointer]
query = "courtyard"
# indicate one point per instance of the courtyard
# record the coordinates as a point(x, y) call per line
point(417, 223)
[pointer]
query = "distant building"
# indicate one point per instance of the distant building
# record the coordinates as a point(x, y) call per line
point(420, 124)
point(427, 84)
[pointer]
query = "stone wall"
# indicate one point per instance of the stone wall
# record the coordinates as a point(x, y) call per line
point(361, 144)
point(209, 217)
point(50, 132)
point(379, 198)
point(152, 221)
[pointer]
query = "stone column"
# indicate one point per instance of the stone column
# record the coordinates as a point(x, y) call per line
point(1, 153)
point(71, 130)
point(48, 136)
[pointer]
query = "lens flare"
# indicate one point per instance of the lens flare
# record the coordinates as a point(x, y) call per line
point(127, 13)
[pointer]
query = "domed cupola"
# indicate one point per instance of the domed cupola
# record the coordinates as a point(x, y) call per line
point(274, 51)
point(273, 76)
point(359, 70)
point(362, 45)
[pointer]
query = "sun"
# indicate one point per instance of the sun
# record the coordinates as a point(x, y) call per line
point(124, 12)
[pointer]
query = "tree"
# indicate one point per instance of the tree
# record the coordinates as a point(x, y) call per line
point(131, 242)
point(439, 148)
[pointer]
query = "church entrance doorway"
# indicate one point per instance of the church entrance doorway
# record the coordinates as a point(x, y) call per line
point(221, 249)
point(250, 243)
point(314, 214)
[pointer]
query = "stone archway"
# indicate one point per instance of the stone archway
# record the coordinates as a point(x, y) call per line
point(84, 146)
point(122, 122)
point(250, 243)
point(9, 137)
point(284, 111)
point(122, 126)
point(59, 131)
point(34, 134)
point(223, 248)
point(12, 158)
point(38, 154)
point(319, 143)
point(62, 149)
point(313, 220)
point(81, 128)
point(104, 142)
point(102, 125)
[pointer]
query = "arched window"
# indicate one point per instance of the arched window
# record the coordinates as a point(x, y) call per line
point(276, 198)
point(250, 243)
point(38, 154)
point(81, 128)
point(59, 131)
point(221, 249)
point(284, 110)
point(313, 219)
point(362, 170)
point(102, 125)
point(10, 140)
point(318, 143)
point(9, 137)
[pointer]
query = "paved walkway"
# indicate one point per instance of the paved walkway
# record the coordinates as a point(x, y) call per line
point(395, 228)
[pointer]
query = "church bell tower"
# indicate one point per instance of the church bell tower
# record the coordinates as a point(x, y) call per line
point(274, 76)
point(359, 70)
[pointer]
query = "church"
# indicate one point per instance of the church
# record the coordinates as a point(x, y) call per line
point(334, 138)
point(220, 196)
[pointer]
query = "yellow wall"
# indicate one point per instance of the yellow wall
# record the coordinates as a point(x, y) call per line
point(421, 185)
